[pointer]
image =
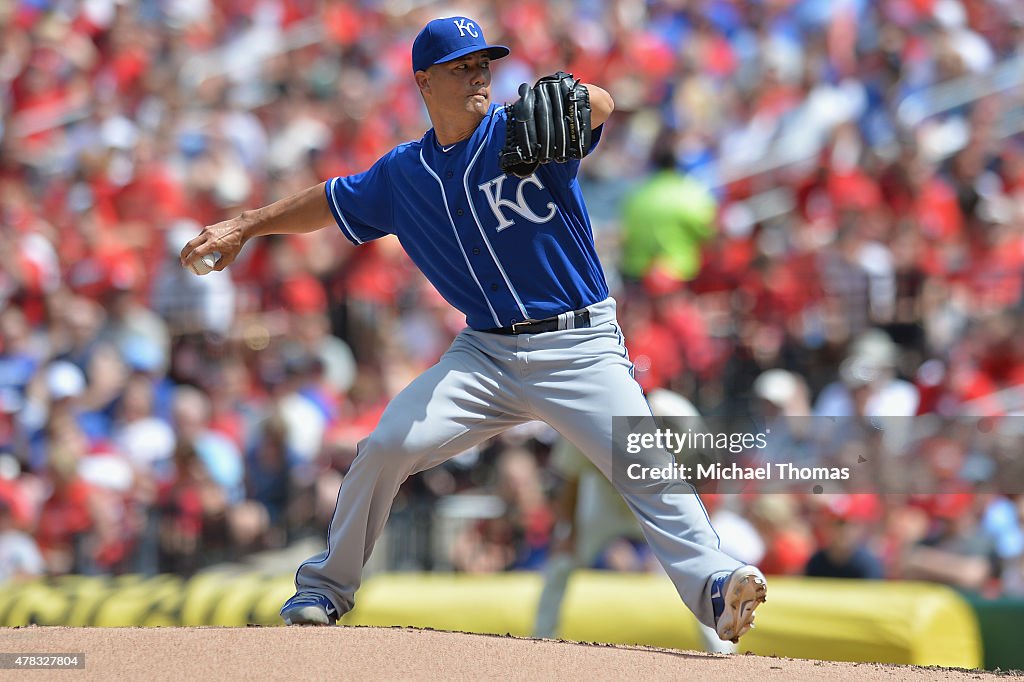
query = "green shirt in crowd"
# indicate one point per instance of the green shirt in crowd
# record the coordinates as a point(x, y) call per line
point(665, 221)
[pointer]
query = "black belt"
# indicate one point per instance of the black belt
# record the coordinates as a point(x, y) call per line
point(577, 319)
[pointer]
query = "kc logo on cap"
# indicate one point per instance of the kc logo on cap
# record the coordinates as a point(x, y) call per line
point(443, 40)
point(466, 26)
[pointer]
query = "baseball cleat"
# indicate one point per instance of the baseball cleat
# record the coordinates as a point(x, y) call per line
point(309, 608)
point(734, 598)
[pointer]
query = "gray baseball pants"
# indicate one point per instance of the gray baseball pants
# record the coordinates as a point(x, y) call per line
point(576, 380)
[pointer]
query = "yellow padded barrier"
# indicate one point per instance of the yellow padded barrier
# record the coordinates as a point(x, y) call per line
point(888, 622)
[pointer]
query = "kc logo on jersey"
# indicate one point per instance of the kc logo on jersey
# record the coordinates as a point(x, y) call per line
point(492, 190)
point(466, 26)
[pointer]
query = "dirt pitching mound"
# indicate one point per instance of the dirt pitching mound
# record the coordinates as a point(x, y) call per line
point(364, 653)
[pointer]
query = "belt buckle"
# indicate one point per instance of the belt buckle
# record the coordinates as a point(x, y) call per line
point(524, 323)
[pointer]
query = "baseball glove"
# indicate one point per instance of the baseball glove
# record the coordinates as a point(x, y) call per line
point(549, 122)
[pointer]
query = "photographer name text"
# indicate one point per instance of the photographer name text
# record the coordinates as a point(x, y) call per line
point(735, 472)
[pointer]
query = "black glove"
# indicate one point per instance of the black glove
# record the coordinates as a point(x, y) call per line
point(549, 122)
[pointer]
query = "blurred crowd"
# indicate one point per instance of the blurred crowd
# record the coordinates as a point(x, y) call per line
point(794, 214)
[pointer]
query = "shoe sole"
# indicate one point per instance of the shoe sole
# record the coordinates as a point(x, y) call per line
point(745, 590)
point(307, 615)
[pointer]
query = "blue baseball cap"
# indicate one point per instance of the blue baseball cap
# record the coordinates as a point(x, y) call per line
point(443, 40)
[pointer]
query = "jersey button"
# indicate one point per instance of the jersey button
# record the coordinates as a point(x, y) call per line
point(476, 250)
point(459, 212)
point(494, 287)
point(448, 174)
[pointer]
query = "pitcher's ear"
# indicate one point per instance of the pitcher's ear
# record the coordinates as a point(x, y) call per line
point(423, 81)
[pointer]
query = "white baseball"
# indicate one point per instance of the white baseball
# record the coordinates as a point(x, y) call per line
point(205, 264)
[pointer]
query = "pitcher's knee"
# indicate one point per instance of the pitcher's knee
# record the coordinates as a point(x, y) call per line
point(383, 449)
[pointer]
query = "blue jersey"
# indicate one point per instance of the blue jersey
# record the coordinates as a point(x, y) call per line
point(499, 248)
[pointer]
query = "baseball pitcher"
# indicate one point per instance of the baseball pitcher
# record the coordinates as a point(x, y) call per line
point(488, 206)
